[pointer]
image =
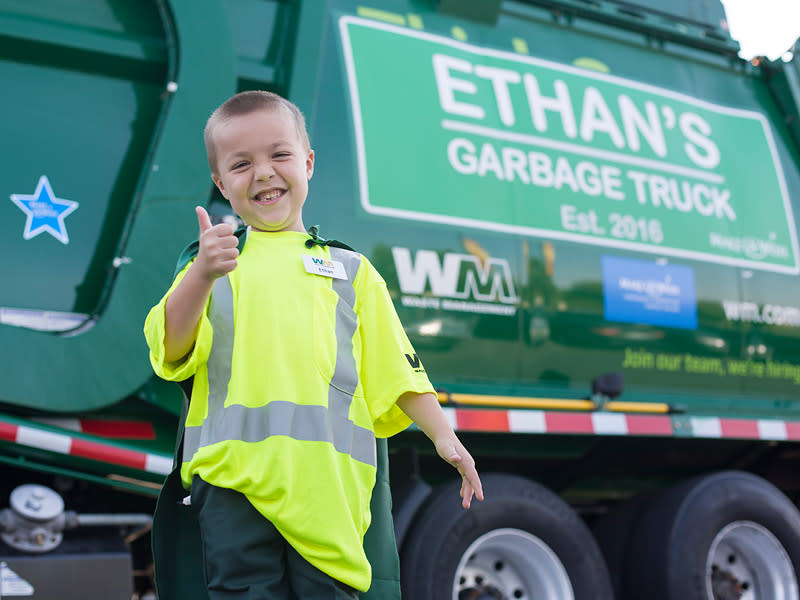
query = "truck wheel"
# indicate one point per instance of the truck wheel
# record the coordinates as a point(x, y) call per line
point(522, 542)
point(726, 536)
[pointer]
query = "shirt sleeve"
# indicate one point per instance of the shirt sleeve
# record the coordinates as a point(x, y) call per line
point(389, 365)
point(154, 331)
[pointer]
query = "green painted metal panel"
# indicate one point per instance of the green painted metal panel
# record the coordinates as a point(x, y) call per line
point(707, 14)
point(500, 281)
point(142, 217)
point(82, 115)
point(543, 330)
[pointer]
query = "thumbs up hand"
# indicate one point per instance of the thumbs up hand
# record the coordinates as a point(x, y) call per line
point(218, 247)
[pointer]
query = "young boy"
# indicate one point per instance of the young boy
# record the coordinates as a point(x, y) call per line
point(299, 363)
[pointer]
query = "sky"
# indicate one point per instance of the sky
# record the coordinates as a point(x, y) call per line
point(763, 27)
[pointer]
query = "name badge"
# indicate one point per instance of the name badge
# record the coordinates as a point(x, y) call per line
point(324, 267)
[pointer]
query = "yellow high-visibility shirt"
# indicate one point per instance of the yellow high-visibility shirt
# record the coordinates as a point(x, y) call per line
point(312, 375)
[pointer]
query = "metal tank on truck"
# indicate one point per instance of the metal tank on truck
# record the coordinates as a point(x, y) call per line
point(585, 214)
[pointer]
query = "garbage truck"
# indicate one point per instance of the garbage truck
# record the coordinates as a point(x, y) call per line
point(584, 211)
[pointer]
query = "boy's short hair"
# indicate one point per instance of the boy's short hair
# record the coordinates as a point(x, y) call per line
point(245, 103)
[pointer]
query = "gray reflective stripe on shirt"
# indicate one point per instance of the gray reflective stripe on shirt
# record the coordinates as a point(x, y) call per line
point(280, 417)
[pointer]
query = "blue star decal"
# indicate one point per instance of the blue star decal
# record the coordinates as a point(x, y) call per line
point(45, 211)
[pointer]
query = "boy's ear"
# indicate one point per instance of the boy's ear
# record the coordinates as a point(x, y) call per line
point(309, 164)
point(220, 186)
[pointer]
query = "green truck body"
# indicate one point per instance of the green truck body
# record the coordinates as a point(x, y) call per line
point(585, 214)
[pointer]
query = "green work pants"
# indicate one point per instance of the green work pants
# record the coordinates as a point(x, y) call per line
point(246, 558)
point(177, 548)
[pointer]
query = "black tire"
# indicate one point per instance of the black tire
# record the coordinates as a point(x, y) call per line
point(676, 535)
point(514, 506)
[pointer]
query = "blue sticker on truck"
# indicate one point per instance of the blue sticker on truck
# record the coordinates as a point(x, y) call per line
point(44, 211)
point(640, 291)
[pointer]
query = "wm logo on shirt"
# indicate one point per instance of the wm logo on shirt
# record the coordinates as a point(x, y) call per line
point(323, 261)
point(413, 360)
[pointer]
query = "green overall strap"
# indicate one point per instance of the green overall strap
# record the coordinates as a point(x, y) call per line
point(176, 542)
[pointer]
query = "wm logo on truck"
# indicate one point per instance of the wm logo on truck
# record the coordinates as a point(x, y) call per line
point(455, 281)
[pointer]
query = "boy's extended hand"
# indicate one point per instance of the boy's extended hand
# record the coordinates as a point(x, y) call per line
point(425, 411)
point(218, 247)
point(454, 452)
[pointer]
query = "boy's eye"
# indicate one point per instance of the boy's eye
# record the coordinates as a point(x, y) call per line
point(282, 154)
point(239, 165)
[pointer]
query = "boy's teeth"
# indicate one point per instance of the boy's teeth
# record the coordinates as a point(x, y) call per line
point(268, 195)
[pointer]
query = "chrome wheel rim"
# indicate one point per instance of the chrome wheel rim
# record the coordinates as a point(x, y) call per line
point(747, 562)
point(511, 564)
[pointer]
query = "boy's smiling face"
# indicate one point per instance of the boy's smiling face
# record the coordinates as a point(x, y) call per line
point(263, 168)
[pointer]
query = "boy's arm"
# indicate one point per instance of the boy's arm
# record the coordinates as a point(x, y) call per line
point(425, 411)
point(215, 258)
